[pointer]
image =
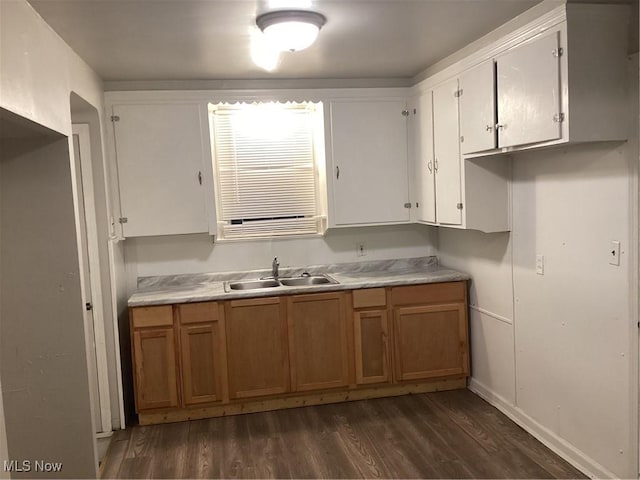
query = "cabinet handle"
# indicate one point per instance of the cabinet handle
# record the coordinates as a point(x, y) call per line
point(489, 128)
point(337, 172)
point(430, 166)
point(200, 178)
point(435, 165)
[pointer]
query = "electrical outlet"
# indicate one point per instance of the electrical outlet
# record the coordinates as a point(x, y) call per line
point(540, 264)
point(361, 250)
point(614, 253)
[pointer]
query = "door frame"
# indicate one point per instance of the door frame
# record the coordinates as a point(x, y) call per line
point(85, 178)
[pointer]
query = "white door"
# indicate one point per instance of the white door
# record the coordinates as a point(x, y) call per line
point(529, 93)
point(424, 173)
point(369, 160)
point(447, 154)
point(94, 317)
point(478, 108)
point(160, 155)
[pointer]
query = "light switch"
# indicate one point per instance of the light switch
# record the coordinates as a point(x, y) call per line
point(540, 264)
point(614, 253)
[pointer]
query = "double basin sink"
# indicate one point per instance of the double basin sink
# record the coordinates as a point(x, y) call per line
point(302, 281)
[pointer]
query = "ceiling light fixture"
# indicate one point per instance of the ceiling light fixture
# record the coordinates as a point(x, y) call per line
point(291, 30)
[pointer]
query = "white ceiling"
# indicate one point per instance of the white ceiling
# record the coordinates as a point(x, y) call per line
point(211, 39)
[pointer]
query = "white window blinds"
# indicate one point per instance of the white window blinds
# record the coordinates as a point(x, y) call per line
point(265, 169)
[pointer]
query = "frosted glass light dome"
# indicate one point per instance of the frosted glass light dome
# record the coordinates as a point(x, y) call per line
point(291, 30)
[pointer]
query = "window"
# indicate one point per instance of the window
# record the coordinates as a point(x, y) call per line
point(267, 169)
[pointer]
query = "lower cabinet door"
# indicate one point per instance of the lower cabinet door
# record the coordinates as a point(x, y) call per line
point(318, 341)
point(371, 346)
point(155, 368)
point(200, 355)
point(257, 350)
point(430, 341)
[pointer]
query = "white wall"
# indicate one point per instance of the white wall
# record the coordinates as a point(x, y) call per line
point(196, 253)
point(38, 72)
point(44, 370)
point(558, 351)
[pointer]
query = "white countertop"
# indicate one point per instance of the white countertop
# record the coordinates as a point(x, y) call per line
point(207, 287)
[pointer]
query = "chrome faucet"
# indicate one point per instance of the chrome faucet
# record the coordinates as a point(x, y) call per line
point(274, 268)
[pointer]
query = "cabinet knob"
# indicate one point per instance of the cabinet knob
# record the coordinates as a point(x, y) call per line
point(435, 165)
point(489, 128)
point(500, 126)
point(430, 166)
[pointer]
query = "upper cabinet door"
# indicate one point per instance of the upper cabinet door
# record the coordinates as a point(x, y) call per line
point(447, 153)
point(424, 170)
point(160, 152)
point(478, 108)
point(369, 162)
point(529, 93)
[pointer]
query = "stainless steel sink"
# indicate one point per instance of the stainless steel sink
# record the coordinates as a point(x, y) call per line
point(253, 284)
point(302, 281)
point(307, 281)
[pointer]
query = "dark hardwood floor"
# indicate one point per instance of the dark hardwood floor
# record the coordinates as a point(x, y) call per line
point(435, 435)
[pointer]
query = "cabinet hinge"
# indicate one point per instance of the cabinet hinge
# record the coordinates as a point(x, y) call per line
point(123, 220)
point(459, 206)
point(558, 117)
point(407, 205)
point(458, 93)
point(405, 113)
point(115, 118)
point(557, 52)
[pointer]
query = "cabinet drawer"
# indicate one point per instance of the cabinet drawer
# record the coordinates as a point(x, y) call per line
point(198, 312)
point(159, 316)
point(430, 293)
point(369, 297)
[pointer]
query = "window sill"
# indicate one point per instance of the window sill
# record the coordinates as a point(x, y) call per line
point(275, 238)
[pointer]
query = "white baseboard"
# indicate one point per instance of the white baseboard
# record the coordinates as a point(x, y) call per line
point(568, 452)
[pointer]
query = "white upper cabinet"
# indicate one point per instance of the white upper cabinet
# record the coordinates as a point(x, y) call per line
point(160, 154)
point(447, 153)
point(513, 100)
point(563, 85)
point(424, 187)
point(447, 189)
point(528, 85)
point(478, 108)
point(368, 164)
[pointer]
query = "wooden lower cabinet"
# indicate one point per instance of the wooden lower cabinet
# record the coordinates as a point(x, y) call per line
point(154, 359)
point(202, 358)
point(371, 334)
point(257, 347)
point(318, 341)
point(430, 341)
point(217, 358)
